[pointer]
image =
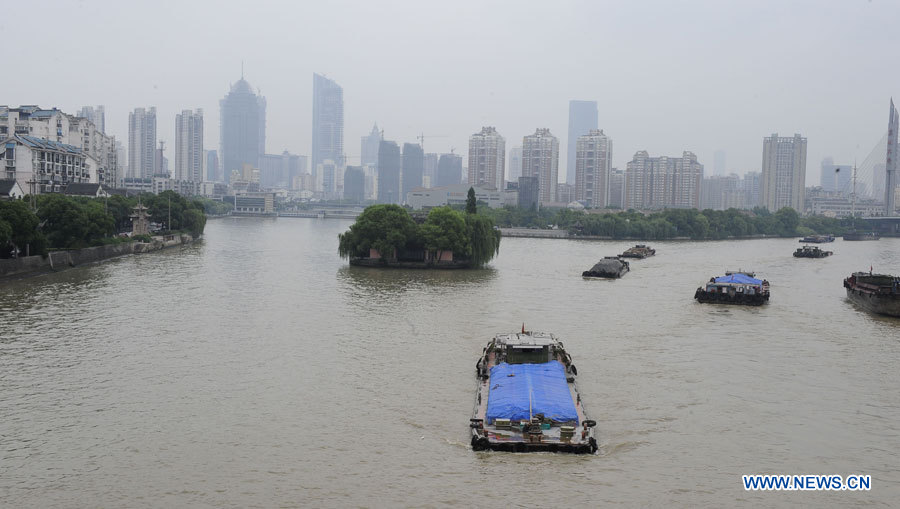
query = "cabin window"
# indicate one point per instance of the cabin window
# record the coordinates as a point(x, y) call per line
point(536, 355)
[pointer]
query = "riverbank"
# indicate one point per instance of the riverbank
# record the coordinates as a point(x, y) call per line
point(56, 261)
point(564, 234)
point(379, 263)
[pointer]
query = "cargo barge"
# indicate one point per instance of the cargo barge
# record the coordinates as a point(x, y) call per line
point(877, 293)
point(811, 252)
point(526, 398)
point(734, 288)
point(639, 251)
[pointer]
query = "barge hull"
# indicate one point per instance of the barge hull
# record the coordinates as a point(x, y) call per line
point(880, 305)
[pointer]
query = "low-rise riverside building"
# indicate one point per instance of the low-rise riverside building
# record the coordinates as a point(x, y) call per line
point(41, 165)
point(425, 198)
point(56, 126)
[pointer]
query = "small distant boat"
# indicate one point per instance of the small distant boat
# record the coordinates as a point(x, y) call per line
point(611, 267)
point(817, 239)
point(862, 235)
point(811, 252)
point(734, 288)
point(526, 398)
point(877, 293)
point(639, 251)
point(744, 272)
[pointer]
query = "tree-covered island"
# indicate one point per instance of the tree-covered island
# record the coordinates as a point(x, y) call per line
point(387, 235)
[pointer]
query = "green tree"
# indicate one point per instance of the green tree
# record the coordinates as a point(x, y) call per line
point(787, 221)
point(471, 204)
point(445, 230)
point(388, 228)
point(25, 236)
point(70, 223)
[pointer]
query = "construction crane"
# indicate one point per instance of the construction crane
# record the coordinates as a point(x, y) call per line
point(421, 137)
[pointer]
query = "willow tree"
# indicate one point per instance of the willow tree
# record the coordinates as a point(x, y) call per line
point(484, 239)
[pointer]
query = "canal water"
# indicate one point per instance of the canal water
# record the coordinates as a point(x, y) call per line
point(257, 369)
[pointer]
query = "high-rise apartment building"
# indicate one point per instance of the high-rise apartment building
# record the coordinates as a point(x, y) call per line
point(593, 161)
point(413, 168)
point(242, 123)
point(540, 158)
point(389, 172)
point(449, 171)
point(368, 154)
point(582, 119)
point(97, 115)
point(717, 190)
point(142, 143)
point(783, 172)
point(189, 146)
point(487, 154)
point(327, 121)
point(663, 182)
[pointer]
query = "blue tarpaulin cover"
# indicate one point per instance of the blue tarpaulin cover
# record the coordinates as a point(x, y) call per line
point(739, 278)
point(542, 386)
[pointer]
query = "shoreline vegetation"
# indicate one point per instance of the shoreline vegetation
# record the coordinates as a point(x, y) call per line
point(389, 236)
point(667, 224)
point(46, 223)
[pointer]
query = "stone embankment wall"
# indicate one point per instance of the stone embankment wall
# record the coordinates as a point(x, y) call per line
point(61, 260)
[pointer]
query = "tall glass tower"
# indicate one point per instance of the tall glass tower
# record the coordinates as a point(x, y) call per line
point(243, 128)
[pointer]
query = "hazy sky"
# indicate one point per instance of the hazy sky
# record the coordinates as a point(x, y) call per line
point(667, 76)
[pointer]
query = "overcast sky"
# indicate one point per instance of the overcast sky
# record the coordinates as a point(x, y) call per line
point(667, 76)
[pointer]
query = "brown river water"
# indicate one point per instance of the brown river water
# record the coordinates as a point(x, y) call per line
point(257, 369)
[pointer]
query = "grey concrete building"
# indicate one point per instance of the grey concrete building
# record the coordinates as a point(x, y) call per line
point(388, 172)
point(449, 170)
point(354, 184)
point(413, 168)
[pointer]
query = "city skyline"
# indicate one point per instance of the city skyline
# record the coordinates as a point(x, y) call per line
point(730, 99)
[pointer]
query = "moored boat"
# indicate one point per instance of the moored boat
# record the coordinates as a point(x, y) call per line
point(611, 267)
point(639, 251)
point(526, 398)
point(857, 235)
point(877, 293)
point(817, 239)
point(734, 288)
point(811, 252)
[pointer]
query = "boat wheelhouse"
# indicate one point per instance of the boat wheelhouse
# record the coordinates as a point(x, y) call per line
point(526, 398)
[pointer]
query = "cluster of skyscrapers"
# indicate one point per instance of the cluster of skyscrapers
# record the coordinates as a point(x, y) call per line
point(48, 149)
